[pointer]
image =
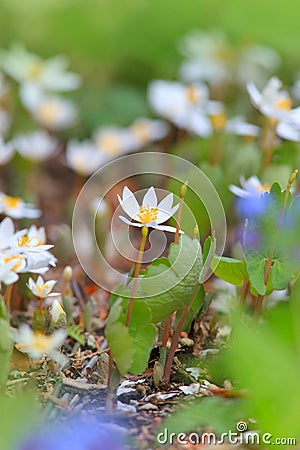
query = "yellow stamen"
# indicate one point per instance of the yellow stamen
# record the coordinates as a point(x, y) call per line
point(284, 103)
point(48, 112)
point(40, 342)
point(12, 202)
point(218, 121)
point(35, 70)
point(192, 93)
point(24, 241)
point(141, 131)
point(263, 188)
point(18, 260)
point(147, 215)
point(110, 144)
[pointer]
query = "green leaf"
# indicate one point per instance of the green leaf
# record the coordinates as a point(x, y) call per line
point(281, 274)
point(143, 334)
point(118, 337)
point(169, 285)
point(209, 249)
point(231, 270)
point(130, 346)
point(76, 332)
point(269, 354)
point(256, 264)
point(194, 311)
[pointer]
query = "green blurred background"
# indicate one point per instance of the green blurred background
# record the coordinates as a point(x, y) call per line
point(126, 43)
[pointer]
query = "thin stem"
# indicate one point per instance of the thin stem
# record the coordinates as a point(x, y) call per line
point(179, 215)
point(268, 143)
point(260, 298)
point(136, 274)
point(7, 296)
point(245, 291)
point(41, 305)
point(175, 340)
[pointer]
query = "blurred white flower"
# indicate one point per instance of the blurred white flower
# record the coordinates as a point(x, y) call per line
point(185, 106)
point(39, 262)
point(113, 141)
point(9, 268)
point(7, 151)
point(237, 125)
point(272, 102)
point(7, 232)
point(36, 146)
point(145, 131)
point(50, 74)
point(38, 345)
point(23, 243)
point(41, 288)
point(16, 208)
point(51, 111)
point(84, 157)
point(150, 213)
point(210, 57)
point(256, 63)
point(252, 187)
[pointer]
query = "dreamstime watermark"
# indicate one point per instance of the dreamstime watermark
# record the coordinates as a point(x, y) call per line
point(145, 169)
point(239, 437)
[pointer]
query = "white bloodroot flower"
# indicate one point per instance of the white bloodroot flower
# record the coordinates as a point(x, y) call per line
point(183, 105)
point(252, 187)
point(50, 74)
point(38, 345)
point(36, 146)
point(113, 141)
point(16, 208)
point(56, 310)
point(10, 266)
point(144, 131)
point(41, 288)
point(272, 102)
point(51, 111)
point(83, 157)
point(150, 213)
point(6, 151)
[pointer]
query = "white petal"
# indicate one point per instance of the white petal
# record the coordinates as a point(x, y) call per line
point(129, 203)
point(167, 228)
point(239, 192)
point(165, 208)
point(128, 222)
point(150, 198)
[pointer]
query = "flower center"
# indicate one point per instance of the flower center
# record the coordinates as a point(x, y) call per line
point(24, 241)
point(147, 215)
point(35, 70)
point(218, 121)
point(40, 342)
point(192, 94)
point(284, 103)
point(12, 202)
point(263, 188)
point(141, 131)
point(110, 144)
point(48, 112)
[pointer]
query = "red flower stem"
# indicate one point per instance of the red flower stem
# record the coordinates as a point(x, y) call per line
point(136, 274)
point(7, 296)
point(175, 339)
